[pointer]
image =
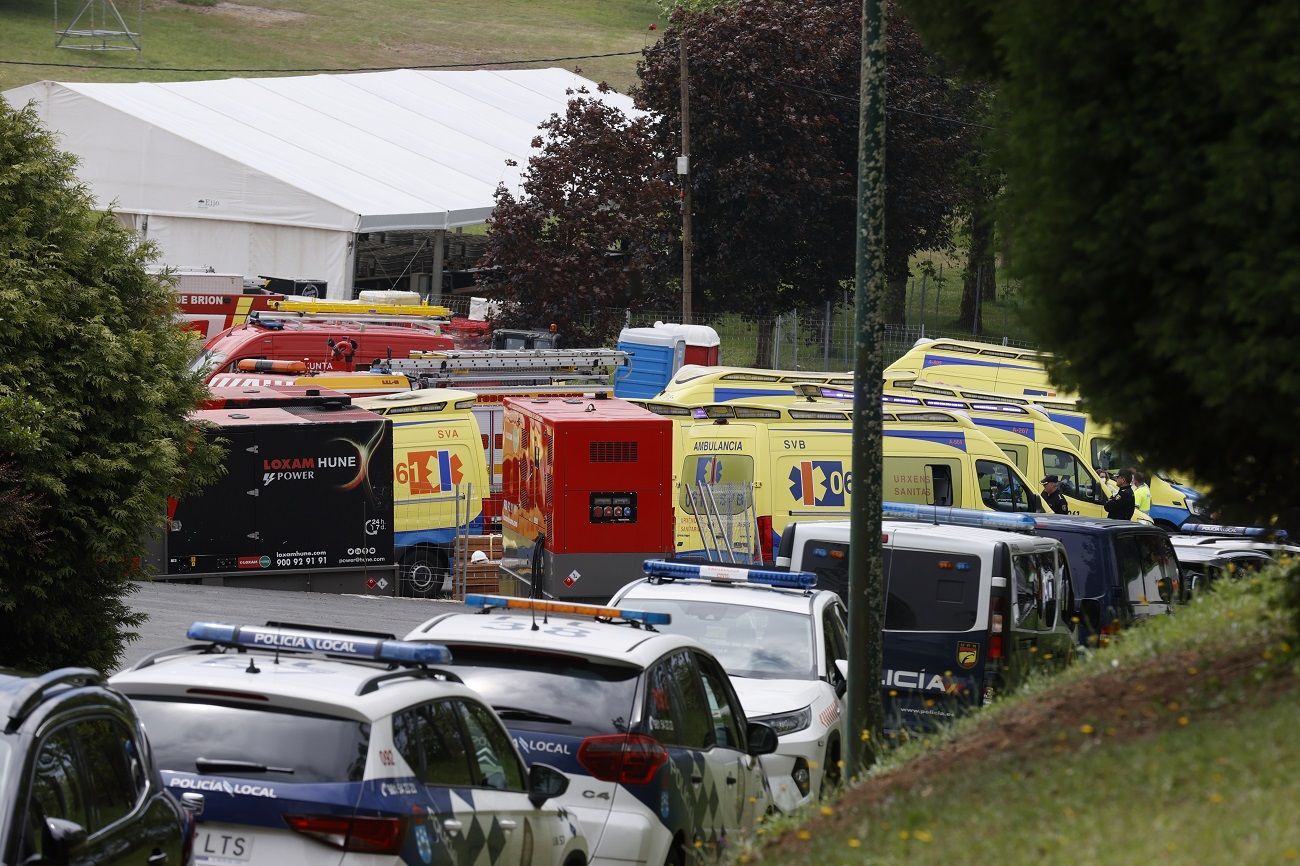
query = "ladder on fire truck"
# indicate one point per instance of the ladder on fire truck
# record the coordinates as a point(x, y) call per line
point(515, 371)
point(308, 310)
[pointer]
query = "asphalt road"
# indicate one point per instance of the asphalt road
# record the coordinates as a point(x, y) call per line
point(172, 607)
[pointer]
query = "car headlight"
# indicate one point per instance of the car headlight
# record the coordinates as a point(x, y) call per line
point(1195, 507)
point(788, 723)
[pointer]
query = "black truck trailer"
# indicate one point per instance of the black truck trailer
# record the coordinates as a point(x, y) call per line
point(306, 502)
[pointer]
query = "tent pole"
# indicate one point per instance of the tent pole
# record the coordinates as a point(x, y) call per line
point(439, 248)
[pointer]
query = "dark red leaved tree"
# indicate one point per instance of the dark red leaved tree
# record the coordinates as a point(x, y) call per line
point(594, 230)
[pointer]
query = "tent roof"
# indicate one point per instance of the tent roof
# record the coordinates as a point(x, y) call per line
point(408, 149)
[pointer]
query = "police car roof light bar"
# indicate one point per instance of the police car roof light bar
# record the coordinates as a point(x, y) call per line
point(958, 516)
point(334, 644)
point(659, 568)
point(1241, 531)
point(487, 602)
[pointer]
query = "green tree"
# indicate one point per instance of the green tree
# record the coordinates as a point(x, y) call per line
point(1152, 161)
point(94, 390)
point(593, 232)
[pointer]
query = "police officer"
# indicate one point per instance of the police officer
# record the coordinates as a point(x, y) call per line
point(1141, 492)
point(1121, 505)
point(1052, 495)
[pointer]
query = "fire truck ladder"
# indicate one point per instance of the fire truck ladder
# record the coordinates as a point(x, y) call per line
point(360, 317)
point(504, 370)
point(350, 308)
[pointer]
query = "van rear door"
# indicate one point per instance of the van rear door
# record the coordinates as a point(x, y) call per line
point(936, 639)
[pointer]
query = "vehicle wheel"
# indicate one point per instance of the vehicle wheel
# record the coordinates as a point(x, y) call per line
point(832, 773)
point(1169, 527)
point(422, 572)
point(676, 853)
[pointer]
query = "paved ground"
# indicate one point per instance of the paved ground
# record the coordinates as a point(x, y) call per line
point(172, 607)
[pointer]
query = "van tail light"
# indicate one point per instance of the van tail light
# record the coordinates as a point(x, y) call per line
point(628, 759)
point(357, 834)
point(765, 538)
point(995, 626)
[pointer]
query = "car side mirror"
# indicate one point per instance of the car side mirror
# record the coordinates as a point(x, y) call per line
point(842, 666)
point(62, 839)
point(1035, 502)
point(545, 782)
point(762, 739)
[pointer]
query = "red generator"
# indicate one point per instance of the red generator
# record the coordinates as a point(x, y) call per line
point(587, 494)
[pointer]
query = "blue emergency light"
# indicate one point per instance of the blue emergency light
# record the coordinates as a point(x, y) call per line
point(728, 574)
point(1238, 531)
point(487, 602)
point(958, 516)
point(333, 643)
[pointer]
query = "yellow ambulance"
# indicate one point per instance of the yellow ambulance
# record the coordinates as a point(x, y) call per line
point(983, 365)
point(1172, 502)
point(745, 470)
point(694, 385)
point(440, 479)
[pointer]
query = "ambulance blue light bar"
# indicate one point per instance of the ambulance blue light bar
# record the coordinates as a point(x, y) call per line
point(1238, 531)
point(728, 574)
point(335, 644)
point(958, 516)
point(488, 602)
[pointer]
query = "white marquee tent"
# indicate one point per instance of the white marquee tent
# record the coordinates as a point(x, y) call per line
point(276, 176)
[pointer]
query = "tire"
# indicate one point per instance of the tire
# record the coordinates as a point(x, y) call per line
point(676, 853)
point(423, 569)
point(832, 773)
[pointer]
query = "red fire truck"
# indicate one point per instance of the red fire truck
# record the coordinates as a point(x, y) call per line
point(588, 494)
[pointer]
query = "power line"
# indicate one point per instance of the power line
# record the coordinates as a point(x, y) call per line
point(323, 69)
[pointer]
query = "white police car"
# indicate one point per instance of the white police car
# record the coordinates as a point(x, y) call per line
point(313, 745)
point(781, 642)
point(662, 762)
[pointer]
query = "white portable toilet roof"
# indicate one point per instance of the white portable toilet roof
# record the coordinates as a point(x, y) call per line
point(696, 335)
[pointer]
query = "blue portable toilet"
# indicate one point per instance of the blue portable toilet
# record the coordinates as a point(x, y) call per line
point(654, 354)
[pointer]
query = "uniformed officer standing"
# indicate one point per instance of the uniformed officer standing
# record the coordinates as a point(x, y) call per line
point(1052, 495)
point(1121, 505)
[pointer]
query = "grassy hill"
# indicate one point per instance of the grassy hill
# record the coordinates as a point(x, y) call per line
point(1176, 745)
point(284, 34)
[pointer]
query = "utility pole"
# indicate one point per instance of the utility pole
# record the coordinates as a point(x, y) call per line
point(866, 590)
point(684, 172)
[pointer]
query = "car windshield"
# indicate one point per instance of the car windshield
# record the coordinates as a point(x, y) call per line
point(260, 743)
point(207, 361)
point(550, 692)
point(748, 641)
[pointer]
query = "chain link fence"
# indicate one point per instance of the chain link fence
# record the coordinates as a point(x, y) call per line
point(803, 339)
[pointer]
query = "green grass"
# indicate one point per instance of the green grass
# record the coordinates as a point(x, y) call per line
point(333, 33)
point(1192, 761)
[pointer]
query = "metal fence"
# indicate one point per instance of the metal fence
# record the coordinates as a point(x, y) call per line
point(800, 340)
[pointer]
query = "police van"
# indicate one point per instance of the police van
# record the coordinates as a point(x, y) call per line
point(973, 605)
point(746, 470)
point(315, 745)
point(440, 479)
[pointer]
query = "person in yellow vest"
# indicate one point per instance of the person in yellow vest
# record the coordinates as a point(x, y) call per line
point(1141, 493)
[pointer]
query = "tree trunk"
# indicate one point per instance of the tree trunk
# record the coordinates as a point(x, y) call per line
point(894, 309)
point(977, 285)
point(763, 353)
